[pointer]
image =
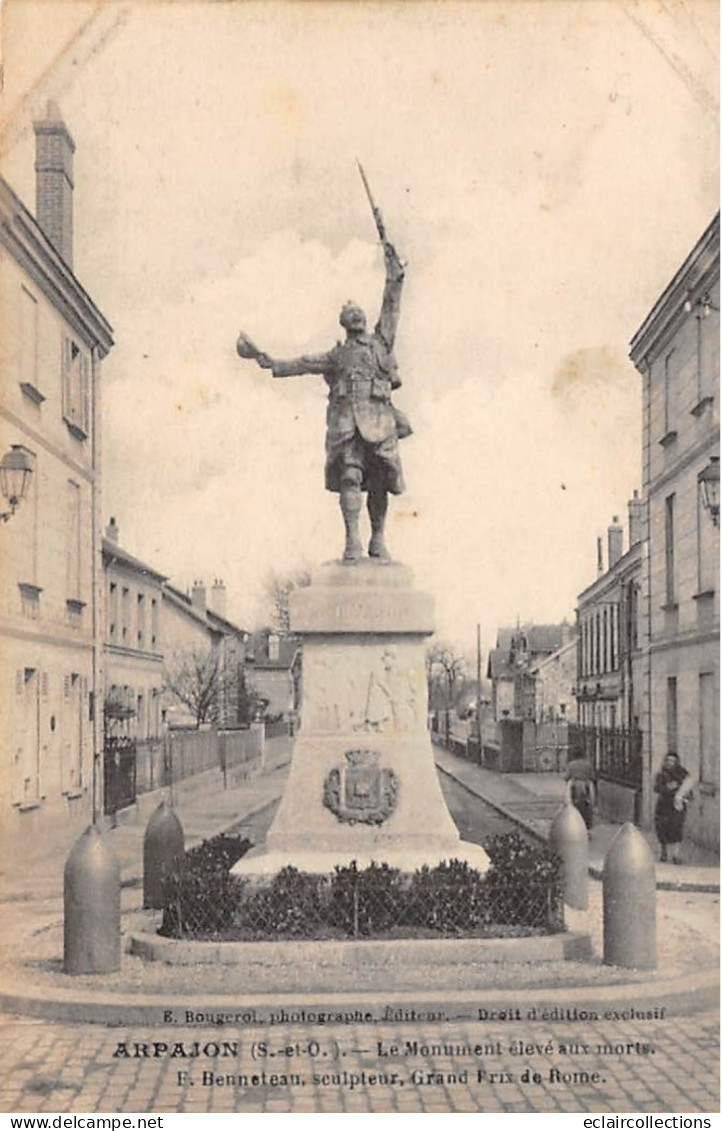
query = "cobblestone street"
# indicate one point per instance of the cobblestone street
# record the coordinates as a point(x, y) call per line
point(603, 1065)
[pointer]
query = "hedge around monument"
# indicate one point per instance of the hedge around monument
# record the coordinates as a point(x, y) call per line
point(521, 894)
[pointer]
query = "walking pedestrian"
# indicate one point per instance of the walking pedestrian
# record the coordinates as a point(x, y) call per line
point(673, 786)
point(580, 779)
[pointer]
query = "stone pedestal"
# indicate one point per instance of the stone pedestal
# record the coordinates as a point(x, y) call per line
point(363, 783)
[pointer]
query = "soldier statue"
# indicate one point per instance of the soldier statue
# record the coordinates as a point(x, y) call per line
point(363, 427)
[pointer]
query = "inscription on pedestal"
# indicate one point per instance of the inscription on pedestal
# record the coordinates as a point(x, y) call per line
point(361, 791)
point(328, 610)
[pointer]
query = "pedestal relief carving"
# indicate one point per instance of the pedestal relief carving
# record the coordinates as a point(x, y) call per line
point(368, 687)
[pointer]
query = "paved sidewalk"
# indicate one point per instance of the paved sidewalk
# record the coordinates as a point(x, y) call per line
point(533, 801)
point(204, 812)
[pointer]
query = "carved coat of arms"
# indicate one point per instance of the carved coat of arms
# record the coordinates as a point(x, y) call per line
point(361, 791)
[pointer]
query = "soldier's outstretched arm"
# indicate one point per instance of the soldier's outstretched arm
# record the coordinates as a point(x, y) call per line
point(296, 366)
point(391, 302)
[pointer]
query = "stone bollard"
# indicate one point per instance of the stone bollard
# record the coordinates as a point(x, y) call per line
point(630, 902)
point(568, 837)
point(91, 907)
point(163, 846)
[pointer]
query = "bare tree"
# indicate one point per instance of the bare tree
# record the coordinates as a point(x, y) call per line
point(199, 680)
point(445, 672)
point(278, 588)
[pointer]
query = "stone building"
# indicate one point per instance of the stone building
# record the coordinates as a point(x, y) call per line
point(611, 665)
point(133, 641)
point(553, 682)
point(676, 350)
point(273, 672)
point(193, 632)
point(511, 665)
point(54, 339)
point(610, 632)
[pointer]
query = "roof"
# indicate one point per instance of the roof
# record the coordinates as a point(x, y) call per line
point(226, 626)
point(498, 666)
point(504, 637)
point(541, 640)
point(545, 637)
point(26, 241)
point(700, 269)
point(112, 552)
point(629, 563)
point(257, 651)
point(539, 637)
point(183, 602)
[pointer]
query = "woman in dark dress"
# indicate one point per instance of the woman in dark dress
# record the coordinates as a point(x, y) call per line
point(672, 786)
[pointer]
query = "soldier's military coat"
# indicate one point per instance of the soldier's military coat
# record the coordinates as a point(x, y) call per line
point(362, 426)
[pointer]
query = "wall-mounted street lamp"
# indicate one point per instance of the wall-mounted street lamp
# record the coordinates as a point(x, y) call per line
point(16, 469)
point(708, 483)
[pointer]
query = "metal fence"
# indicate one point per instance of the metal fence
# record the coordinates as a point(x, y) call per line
point(378, 901)
point(615, 753)
point(132, 767)
point(119, 772)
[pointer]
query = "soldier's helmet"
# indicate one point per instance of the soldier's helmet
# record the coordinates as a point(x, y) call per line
point(352, 316)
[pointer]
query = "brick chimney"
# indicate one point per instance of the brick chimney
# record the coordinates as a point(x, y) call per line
point(111, 531)
point(615, 542)
point(198, 597)
point(218, 598)
point(600, 558)
point(635, 519)
point(54, 149)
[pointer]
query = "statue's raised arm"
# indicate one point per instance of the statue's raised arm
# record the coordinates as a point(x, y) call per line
point(391, 302)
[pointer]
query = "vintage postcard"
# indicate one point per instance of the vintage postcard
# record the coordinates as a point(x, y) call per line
point(359, 596)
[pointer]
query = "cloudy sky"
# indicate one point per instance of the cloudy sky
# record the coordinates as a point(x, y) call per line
point(543, 167)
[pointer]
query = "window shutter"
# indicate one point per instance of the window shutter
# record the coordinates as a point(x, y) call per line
point(84, 392)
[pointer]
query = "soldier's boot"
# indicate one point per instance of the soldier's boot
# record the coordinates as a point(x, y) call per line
point(377, 504)
point(350, 500)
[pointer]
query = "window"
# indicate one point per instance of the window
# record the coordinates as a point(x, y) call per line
point(669, 550)
point(633, 616)
point(154, 621)
point(708, 346)
point(125, 612)
point(26, 761)
point(708, 730)
point(113, 610)
point(72, 528)
point(28, 360)
point(668, 376)
point(76, 388)
point(74, 692)
point(141, 619)
point(672, 715)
